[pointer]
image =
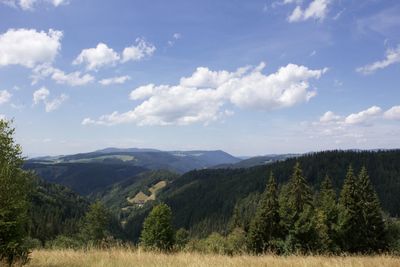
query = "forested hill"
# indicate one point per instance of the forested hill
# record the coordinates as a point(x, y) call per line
point(204, 200)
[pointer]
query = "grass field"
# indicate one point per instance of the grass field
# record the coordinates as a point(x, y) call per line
point(137, 258)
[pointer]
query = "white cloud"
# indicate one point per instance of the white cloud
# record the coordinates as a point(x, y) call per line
point(392, 57)
point(136, 52)
point(29, 4)
point(329, 116)
point(72, 79)
point(363, 116)
point(28, 47)
point(317, 9)
point(5, 96)
point(202, 96)
point(115, 80)
point(2, 117)
point(175, 37)
point(393, 113)
point(42, 95)
point(97, 57)
point(102, 55)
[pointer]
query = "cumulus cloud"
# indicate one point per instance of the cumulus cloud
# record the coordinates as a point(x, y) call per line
point(42, 96)
point(363, 116)
point(5, 96)
point(329, 116)
point(29, 4)
point(317, 10)
point(115, 80)
point(202, 97)
point(102, 55)
point(97, 57)
point(393, 113)
point(138, 51)
point(28, 47)
point(392, 57)
point(72, 79)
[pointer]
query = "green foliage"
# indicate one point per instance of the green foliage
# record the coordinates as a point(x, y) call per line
point(157, 230)
point(181, 238)
point(15, 187)
point(209, 196)
point(236, 242)
point(55, 210)
point(393, 235)
point(65, 242)
point(297, 213)
point(265, 227)
point(327, 214)
point(361, 221)
point(96, 223)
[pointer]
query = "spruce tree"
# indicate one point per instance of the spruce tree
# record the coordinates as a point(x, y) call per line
point(327, 215)
point(157, 230)
point(265, 227)
point(350, 217)
point(297, 213)
point(96, 223)
point(373, 229)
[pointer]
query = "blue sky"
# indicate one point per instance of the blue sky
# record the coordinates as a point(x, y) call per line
point(248, 77)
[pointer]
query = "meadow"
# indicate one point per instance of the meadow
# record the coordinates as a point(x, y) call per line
point(140, 258)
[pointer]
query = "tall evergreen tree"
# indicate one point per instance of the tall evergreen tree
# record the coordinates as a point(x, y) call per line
point(297, 213)
point(158, 232)
point(373, 229)
point(265, 227)
point(14, 202)
point(96, 223)
point(350, 217)
point(327, 215)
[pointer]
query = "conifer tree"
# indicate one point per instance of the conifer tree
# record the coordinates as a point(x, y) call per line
point(96, 223)
point(265, 227)
point(327, 215)
point(350, 217)
point(297, 213)
point(373, 228)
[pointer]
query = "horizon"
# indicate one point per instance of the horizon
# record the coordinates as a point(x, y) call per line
point(241, 157)
point(249, 78)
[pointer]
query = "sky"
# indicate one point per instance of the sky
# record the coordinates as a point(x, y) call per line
point(248, 77)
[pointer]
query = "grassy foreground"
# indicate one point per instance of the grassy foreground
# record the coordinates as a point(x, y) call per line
point(137, 258)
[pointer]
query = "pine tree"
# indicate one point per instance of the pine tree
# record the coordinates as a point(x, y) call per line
point(373, 230)
point(96, 223)
point(327, 215)
point(265, 227)
point(350, 217)
point(157, 230)
point(297, 213)
point(14, 192)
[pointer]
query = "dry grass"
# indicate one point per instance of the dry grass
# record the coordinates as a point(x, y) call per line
point(138, 258)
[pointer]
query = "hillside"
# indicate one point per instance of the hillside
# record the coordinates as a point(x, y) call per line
point(176, 161)
point(203, 200)
point(55, 210)
point(256, 161)
point(84, 178)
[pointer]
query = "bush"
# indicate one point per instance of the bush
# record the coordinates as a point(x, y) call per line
point(181, 238)
point(64, 242)
point(157, 233)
